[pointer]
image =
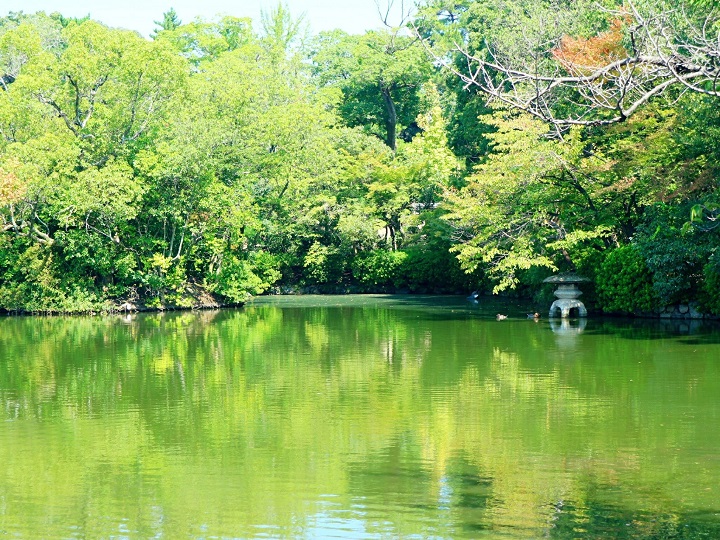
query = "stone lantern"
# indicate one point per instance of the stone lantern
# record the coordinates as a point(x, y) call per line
point(567, 295)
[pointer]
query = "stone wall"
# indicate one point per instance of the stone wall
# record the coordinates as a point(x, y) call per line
point(683, 311)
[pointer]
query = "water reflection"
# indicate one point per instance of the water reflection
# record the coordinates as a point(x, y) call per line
point(567, 331)
point(568, 327)
point(360, 418)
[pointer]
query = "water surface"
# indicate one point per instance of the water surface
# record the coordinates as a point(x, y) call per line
point(358, 417)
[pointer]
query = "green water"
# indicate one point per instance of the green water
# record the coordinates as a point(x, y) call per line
point(358, 417)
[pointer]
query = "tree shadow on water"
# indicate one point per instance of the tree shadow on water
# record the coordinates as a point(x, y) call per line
point(692, 331)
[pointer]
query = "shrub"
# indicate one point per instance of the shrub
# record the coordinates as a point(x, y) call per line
point(266, 266)
point(710, 290)
point(675, 260)
point(624, 282)
point(380, 268)
point(324, 264)
point(435, 270)
point(236, 280)
point(30, 281)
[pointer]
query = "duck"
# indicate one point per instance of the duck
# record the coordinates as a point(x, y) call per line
point(501, 317)
point(535, 315)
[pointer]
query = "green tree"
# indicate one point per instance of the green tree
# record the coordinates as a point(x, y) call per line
point(380, 75)
point(80, 108)
point(281, 31)
point(203, 41)
point(531, 205)
point(624, 282)
point(170, 21)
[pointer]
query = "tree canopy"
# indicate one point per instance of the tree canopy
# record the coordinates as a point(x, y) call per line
point(482, 146)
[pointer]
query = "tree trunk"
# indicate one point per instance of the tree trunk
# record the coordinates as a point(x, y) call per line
point(390, 118)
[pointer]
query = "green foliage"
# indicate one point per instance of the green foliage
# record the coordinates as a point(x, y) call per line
point(237, 281)
point(281, 30)
point(201, 41)
point(710, 292)
point(508, 213)
point(430, 266)
point(467, 129)
point(89, 254)
point(624, 282)
point(428, 269)
point(675, 260)
point(32, 281)
point(380, 268)
point(266, 267)
point(380, 75)
point(170, 21)
point(214, 160)
point(324, 264)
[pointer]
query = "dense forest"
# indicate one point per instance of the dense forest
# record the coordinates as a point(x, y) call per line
point(470, 146)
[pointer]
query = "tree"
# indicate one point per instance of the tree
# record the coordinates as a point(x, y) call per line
point(81, 108)
point(380, 75)
point(417, 176)
point(170, 21)
point(93, 101)
point(534, 204)
point(631, 55)
point(202, 41)
point(282, 31)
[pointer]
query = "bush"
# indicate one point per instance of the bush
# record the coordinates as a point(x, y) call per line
point(379, 268)
point(624, 282)
point(710, 290)
point(267, 267)
point(236, 280)
point(675, 260)
point(31, 281)
point(435, 270)
point(324, 264)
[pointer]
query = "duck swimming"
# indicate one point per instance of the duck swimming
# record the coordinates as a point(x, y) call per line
point(501, 317)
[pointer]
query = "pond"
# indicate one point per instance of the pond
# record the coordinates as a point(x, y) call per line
point(358, 417)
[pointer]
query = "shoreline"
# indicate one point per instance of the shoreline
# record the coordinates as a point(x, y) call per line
point(678, 313)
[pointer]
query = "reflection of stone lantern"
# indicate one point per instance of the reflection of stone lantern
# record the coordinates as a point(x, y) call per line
point(564, 327)
point(567, 295)
point(567, 332)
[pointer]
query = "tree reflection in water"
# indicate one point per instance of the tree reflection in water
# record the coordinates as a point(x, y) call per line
point(377, 419)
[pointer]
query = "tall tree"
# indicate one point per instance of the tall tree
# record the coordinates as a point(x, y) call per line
point(282, 31)
point(170, 21)
point(203, 41)
point(380, 75)
point(75, 119)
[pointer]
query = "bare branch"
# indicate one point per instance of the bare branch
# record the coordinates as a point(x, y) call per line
point(387, 8)
point(81, 117)
point(61, 114)
point(666, 51)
